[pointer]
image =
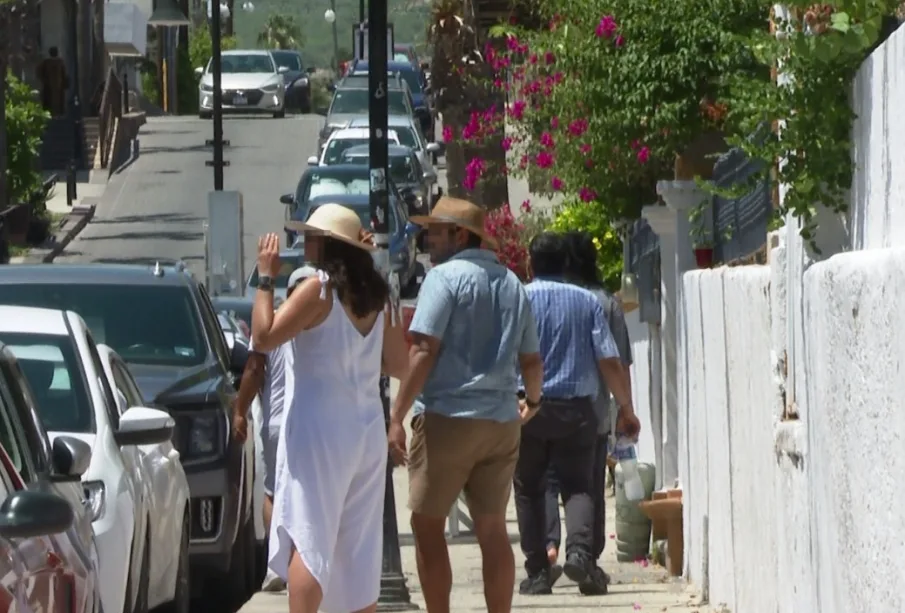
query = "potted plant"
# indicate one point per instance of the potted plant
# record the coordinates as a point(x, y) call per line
point(701, 241)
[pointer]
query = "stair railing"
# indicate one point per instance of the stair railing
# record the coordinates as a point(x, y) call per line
point(111, 109)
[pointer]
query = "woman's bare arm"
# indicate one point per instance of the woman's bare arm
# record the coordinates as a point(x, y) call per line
point(395, 349)
point(303, 307)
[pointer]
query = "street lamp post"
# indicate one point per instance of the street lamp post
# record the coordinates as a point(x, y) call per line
point(330, 17)
point(394, 594)
point(217, 143)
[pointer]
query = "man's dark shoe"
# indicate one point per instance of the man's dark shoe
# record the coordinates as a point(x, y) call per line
point(536, 585)
point(577, 567)
point(555, 574)
point(595, 584)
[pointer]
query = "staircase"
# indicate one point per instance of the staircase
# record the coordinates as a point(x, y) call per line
point(57, 149)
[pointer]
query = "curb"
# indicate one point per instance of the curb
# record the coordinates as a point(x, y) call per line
point(69, 228)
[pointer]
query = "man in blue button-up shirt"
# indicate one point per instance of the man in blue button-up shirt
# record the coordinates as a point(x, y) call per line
point(577, 349)
point(472, 325)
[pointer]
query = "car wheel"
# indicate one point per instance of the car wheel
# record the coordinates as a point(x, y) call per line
point(182, 595)
point(279, 114)
point(305, 107)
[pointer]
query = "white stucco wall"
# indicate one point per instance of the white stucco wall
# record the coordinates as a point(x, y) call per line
point(805, 515)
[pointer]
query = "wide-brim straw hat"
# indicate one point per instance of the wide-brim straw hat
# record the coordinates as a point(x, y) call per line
point(461, 213)
point(334, 221)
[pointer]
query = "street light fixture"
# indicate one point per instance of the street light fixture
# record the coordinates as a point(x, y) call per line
point(248, 6)
point(330, 16)
point(168, 14)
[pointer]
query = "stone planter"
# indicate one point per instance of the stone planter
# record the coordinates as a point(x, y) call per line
point(668, 511)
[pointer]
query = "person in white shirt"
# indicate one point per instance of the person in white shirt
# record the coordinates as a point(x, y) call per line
point(270, 375)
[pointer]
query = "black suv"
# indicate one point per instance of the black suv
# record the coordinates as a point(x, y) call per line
point(160, 320)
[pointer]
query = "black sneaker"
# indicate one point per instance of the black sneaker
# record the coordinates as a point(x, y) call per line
point(577, 567)
point(536, 585)
point(555, 574)
point(595, 584)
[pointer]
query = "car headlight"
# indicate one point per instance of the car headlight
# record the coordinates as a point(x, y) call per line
point(199, 435)
point(206, 88)
point(303, 82)
point(270, 88)
point(95, 498)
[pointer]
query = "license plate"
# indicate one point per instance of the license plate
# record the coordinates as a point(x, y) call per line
point(240, 101)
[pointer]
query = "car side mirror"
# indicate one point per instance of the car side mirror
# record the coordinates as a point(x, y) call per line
point(144, 426)
point(199, 71)
point(311, 70)
point(238, 358)
point(313, 161)
point(287, 199)
point(32, 513)
point(70, 458)
point(434, 148)
point(283, 69)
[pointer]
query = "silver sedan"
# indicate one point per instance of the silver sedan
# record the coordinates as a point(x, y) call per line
point(250, 81)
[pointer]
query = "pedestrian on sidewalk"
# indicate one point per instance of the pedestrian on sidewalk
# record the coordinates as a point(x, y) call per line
point(581, 268)
point(472, 325)
point(327, 524)
point(51, 72)
point(577, 349)
point(268, 374)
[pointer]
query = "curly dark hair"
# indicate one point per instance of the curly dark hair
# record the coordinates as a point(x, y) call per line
point(357, 281)
point(581, 264)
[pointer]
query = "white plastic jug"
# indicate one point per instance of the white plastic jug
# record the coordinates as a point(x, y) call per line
point(624, 453)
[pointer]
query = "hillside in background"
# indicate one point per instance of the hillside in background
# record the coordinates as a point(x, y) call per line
point(409, 19)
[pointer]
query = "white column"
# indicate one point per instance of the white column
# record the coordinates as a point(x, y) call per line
point(671, 224)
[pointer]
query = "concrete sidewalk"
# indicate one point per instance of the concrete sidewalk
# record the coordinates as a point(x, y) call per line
point(635, 586)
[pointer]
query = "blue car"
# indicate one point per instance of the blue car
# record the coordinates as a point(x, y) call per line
point(403, 234)
point(414, 77)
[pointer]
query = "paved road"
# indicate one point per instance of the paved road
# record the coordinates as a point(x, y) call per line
point(157, 208)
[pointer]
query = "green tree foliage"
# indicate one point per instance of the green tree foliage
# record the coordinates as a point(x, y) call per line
point(201, 49)
point(280, 31)
point(25, 123)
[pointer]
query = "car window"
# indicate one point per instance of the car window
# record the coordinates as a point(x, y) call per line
point(289, 59)
point(407, 137)
point(400, 57)
point(126, 385)
point(126, 318)
point(334, 181)
point(33, 431)
point(209, 318)
point(355, 102)
point(402, 170)
point(109, 398)
point(56, 379)
point(412, 79)
point(13, 434)
point(288, 264)
point(333, 153)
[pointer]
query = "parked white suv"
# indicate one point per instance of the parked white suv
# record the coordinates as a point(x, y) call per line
point(74, 398)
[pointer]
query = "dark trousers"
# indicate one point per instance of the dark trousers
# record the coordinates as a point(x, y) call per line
point(563, 436)
point(554, 537)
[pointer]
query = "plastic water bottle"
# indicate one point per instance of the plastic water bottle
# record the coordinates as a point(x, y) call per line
point(624, 453)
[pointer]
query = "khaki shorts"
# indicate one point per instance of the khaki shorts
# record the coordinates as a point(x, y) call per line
point(451, 455)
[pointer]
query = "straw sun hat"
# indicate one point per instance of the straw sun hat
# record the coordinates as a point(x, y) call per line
point(334, 221)
point(459, 212)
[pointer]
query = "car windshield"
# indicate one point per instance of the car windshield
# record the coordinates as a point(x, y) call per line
point(127, 318)
point(324, 182)
point(251, 63)
point(399, 56)
point(402, 170)
point(333, 153)
point(355, 102)
point(407, 137)
point(288, 263)
point(289, 59)
point(364, 214)
point(54, 373)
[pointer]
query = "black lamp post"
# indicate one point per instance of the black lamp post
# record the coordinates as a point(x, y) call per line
point(394, 594)
point(217, 143)
point(75, 106)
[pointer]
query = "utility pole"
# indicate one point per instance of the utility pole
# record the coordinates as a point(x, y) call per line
point(394, 594)
point(217, 97)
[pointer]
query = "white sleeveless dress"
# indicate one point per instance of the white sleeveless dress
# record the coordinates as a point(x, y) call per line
point(331, 463)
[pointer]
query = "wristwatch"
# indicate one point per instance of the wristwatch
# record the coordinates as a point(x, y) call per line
point(534, 405)
point(265, 283)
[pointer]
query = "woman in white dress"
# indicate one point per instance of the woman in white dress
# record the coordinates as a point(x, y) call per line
point(327, 526)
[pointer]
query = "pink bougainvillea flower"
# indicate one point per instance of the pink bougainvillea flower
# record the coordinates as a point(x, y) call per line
point(526, 206)
point(506, 143)
point(636, 144)
point(522, 49)
point(511, 43)
point(585, 149)
point(589, 163)
point(578, 127)
point(636, 607)
point(587, 194)
point(556, 184)
point(532, 59)
point(544, 159)
point(498, 83)
point(523, 163)
point(619, 41)
point(606, 28)
point(517, 110)
point(554, 123)
point(549, 58)
point(448, 134)
point(643, 155)
point(546, 140)
point(473, 171)
point(557, 78)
